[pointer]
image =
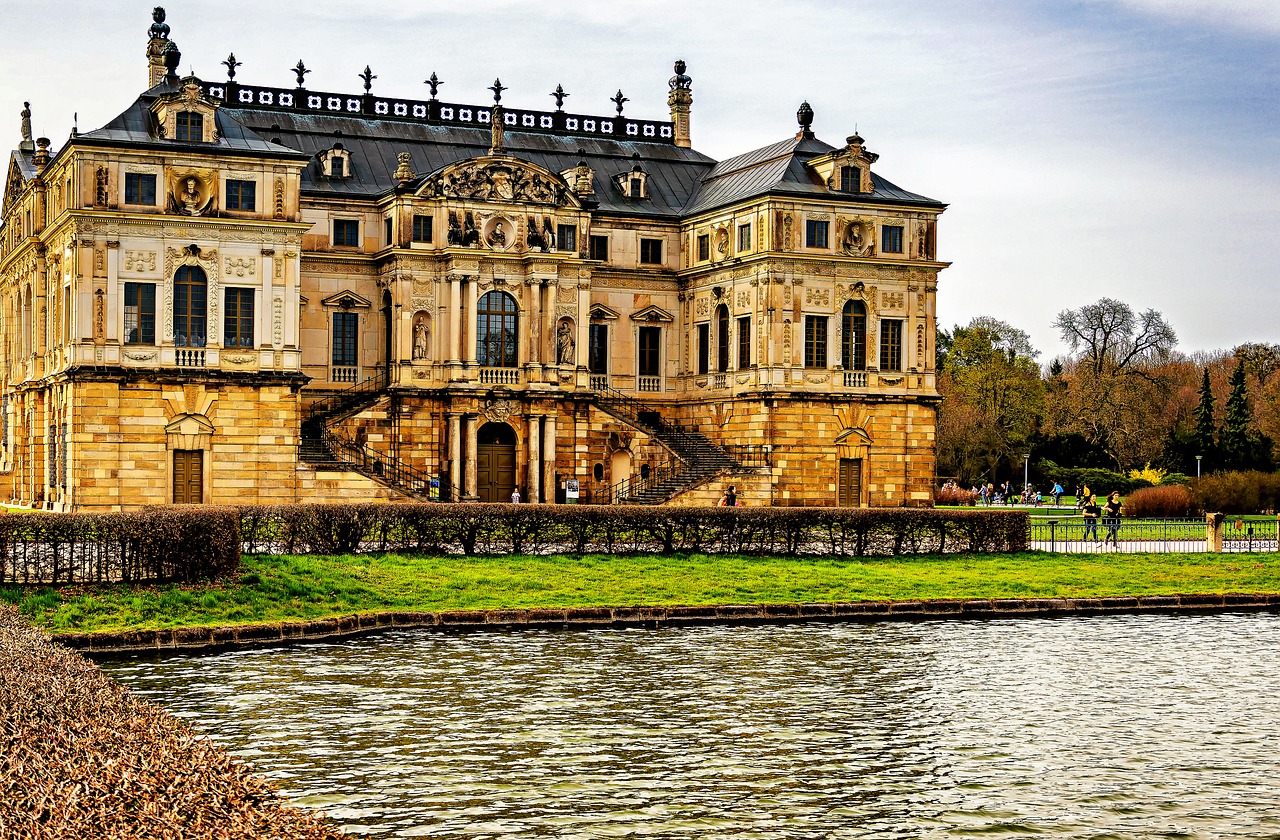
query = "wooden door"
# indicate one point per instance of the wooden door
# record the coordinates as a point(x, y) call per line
point(188, 476)
point(495, 471)
point(850, 486)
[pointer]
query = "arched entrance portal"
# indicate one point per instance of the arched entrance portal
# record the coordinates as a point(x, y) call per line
point(495, 462)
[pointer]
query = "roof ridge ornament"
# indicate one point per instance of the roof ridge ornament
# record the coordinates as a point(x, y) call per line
point(433, 83)
point(497, 88)
point(368, 77)
point(617, 99)
point(301, 71)
point(26, 144)
point(231, 64)
point(559, 94)
point(804, 116)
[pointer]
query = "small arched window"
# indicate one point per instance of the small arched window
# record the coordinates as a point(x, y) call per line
point(853, 349)
point(190, 306)
point(496, 330)
point(598, 472)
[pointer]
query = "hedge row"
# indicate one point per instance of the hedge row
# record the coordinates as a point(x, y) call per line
point(182, 544)
point(583, 529)
point(82, 757)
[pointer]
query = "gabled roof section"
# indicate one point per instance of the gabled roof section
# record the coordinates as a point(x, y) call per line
point(21, 170)
point(781, 169)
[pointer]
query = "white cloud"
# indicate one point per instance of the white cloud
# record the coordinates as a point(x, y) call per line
point(1249, 15)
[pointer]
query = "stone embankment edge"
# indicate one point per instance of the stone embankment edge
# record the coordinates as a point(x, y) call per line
point(582, 618)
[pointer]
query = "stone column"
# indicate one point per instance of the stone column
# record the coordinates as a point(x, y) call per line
point(455, 452)
point(534, 473)
point(455, 318)
point(471, 453)
point(549, 458)
point(470, 320)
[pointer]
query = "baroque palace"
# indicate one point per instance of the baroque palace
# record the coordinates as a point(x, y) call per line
point(233, 293)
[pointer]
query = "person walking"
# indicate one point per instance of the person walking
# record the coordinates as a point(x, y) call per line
point(1111, 518)
point(1080, 496)
point(1091, 513)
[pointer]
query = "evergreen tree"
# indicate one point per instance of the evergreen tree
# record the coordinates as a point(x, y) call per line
point(1203, 435)
point(1237, 441)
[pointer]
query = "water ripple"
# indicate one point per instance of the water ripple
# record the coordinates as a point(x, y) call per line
point(1116, 726)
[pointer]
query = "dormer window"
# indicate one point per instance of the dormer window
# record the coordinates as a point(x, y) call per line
point(633, 184)
point(635, 187)
point(850, 179)
point(336, 162)
point(189, 126)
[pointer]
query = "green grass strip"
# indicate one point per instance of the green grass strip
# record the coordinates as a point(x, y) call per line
point(272, 589)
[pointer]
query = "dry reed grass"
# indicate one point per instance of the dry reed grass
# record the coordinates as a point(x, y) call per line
point(81, 757)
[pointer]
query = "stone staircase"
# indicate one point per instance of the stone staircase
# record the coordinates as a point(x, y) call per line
point(325, 446)
point(696, 460)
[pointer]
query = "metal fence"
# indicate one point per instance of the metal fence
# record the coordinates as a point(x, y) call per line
point(1074, 535)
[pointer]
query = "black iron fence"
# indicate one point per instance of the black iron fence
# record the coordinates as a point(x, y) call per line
point(1074, 534)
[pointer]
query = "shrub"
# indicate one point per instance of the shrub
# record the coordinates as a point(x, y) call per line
point(957, 496)
point(1152, 475)
point(1104, 482)
point(1174, 501)
point(1239, 492)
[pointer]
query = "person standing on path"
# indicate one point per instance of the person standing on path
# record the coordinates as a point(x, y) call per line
point(1111, 519)
point(1091, 513)
point(515, 496)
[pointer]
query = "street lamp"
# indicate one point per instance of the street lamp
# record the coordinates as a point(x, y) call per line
point(1026, 467)
point(1198, 457)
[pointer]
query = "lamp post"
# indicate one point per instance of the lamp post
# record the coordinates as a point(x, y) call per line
point(1026, 470)
point(1198, 457)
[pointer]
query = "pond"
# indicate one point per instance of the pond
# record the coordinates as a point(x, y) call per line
point(1112, 726)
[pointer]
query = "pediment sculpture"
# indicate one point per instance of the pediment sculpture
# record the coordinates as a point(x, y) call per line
point(499, 181)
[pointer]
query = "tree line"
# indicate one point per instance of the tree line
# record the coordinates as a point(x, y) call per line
point(1123, 398)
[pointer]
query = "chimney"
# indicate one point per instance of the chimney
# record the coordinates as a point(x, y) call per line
point(680, 99)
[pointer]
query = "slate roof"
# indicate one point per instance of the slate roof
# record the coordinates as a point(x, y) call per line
point(681, 182)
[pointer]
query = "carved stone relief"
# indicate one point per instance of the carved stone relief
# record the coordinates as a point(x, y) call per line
point(279, 196)
point(892, 300)
point(241, 266)
point(857, 236)
point(140, 261)
point(702, 306)
point(498, 181)
point(277, 321)
point(498, 411)
point(817, 297)
point(744, 300)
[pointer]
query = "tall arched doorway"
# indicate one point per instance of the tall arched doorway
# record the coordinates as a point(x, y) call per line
point(495, 462)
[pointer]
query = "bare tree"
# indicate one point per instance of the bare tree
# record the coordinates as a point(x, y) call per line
point(1113, 338)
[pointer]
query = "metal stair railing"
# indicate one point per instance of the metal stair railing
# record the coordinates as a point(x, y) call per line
point(357, 396)
point(386, 469)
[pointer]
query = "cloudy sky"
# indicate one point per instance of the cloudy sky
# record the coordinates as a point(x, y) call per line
point(1087, 148)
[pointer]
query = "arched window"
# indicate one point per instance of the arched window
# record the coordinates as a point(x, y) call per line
point(853, 346)
point(190, 306)
point(722, 338)
point(496, 330)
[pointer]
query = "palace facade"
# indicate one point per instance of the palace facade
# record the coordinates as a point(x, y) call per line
point(233, 293)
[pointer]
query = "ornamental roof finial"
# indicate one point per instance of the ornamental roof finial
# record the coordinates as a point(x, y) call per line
point(231, 64)
point(680, 81)
point(559, 94)
point(301, 71)
point(368, 77)
point(433, 83)
point(804, 116)
point(618, 99)
point(497, 88)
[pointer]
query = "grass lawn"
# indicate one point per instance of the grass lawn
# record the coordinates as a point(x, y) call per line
point(271, 589)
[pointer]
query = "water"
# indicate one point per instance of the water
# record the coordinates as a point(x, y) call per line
point(1116, 726)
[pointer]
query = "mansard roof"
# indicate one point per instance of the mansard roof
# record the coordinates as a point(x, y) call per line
point(780, 169)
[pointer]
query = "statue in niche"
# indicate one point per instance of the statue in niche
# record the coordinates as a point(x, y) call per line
point(564, 344)
point(548, 233)
point(535, 239)
point(470, 235)
point(455, 229)
point(421, 339)
point(102, 191)
point(159, 29)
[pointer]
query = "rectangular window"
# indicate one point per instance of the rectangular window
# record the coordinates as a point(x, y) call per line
point(346, 232)
point(815, 233)
point(242, 195)
point(704, 348)
point(387, 231)
point(704, 247)
point(338, 166)
point(190, 126)
point(566, 238)
point(850, 179)
point(422, 228)
point(744, 238)
point(744, 343)
point(815, 341)
point(891, 239)
point(344, 339)
point(600, 248)
point(237, 322)
point(636, 187)
point(139, 188)
point(139, 313)
point(598, 356)
point(651, 251)
point(650, 351)
point(890, 345)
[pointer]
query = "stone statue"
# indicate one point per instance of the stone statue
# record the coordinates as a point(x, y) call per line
point(470, 235)
point(420, 340)
point(102, 192)
point(26, 122)
point(455, 229)
point(564, 344)
point(535, 239)
point(159, 29)
point(497, 130)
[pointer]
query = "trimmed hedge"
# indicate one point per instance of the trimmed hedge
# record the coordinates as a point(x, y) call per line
point(182, 544)
point(593, 529)
point(80, 756)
